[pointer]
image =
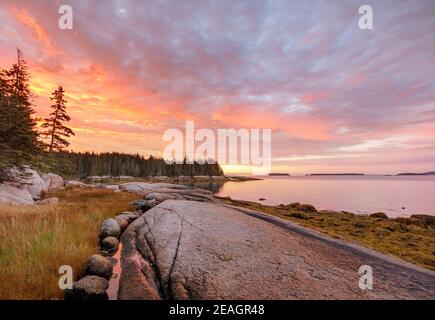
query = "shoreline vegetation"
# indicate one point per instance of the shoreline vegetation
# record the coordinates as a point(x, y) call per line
point(169, 179)
point(36, 240)
point(90, 164)
point(430, 173)
point(410, 239)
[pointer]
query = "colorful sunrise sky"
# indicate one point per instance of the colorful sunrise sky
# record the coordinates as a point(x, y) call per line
point(338, 99)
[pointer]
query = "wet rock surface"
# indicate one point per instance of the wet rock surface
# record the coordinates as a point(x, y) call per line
point(184, 249)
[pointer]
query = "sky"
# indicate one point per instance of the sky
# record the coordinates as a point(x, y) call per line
point(337, 98)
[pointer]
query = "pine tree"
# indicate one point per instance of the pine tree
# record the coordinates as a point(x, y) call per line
point(18, 136)
point(54, 125)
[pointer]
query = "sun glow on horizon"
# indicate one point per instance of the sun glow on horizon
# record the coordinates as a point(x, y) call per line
point(333, 102)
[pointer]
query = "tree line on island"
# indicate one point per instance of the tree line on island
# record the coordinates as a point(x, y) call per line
point(116, 164)
point(23, 144)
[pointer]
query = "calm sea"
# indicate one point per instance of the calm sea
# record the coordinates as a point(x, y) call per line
point(394, 195)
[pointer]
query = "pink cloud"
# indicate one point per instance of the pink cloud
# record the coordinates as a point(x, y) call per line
point(299, 69)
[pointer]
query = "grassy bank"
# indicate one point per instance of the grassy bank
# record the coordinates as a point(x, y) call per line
point(411, 239)
point(36, 240)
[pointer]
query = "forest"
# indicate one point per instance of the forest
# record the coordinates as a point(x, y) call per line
point(25, 144)
point(116, 164)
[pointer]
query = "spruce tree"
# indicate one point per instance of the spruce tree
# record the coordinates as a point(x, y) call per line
point(18, 136)
point(56, 131)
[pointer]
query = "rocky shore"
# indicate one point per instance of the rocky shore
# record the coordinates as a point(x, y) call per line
point(93, 283)
point(33, 188)
point(30, 188)
point(178, 179)
point(184, 243)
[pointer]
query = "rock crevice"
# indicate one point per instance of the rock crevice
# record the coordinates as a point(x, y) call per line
point(205, 250)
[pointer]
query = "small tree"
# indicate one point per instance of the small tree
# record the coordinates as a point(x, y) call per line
point(18, 136)
point(54, 125)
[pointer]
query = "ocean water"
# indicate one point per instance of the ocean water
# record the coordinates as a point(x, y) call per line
point(394, 195)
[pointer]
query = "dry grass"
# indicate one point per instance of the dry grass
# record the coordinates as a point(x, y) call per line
point(407, 238)
point(36, 240)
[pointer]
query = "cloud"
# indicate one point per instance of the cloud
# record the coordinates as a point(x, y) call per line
point(302, 68)
point(390, 142)
point(24, 17)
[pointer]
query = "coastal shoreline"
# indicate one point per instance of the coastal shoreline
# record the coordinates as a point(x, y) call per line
point(169, 179)
point(409, 238)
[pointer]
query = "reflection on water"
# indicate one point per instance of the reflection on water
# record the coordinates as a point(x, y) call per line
point(394, 195)
point(214, 187)
point(112, 291)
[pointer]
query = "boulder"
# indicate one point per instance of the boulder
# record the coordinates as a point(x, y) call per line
point(88, 288)
point(99, 266)
point(109, 246)
point(297, 206)
point(52, 200)
point(159, 192)
point(425, 219)
point(143, 204)
point(379, 215)
point(307, 208)
point(52, 182)
point(33, 182)
point(122, 222)
point(15, 193)
point(130, 216)
point(110, 228)
point(201, 250)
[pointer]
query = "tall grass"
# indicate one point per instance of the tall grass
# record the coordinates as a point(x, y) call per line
point(36, 240)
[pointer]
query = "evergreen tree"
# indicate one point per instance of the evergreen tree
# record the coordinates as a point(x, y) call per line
point(54, 125)
point(118, 164)
point(18, 136)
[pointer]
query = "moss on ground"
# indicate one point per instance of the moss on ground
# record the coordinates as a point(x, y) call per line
point(411, 239)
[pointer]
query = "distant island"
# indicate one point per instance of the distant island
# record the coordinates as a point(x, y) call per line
point(336, 174)
point(279, 174)
point(430, 173)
